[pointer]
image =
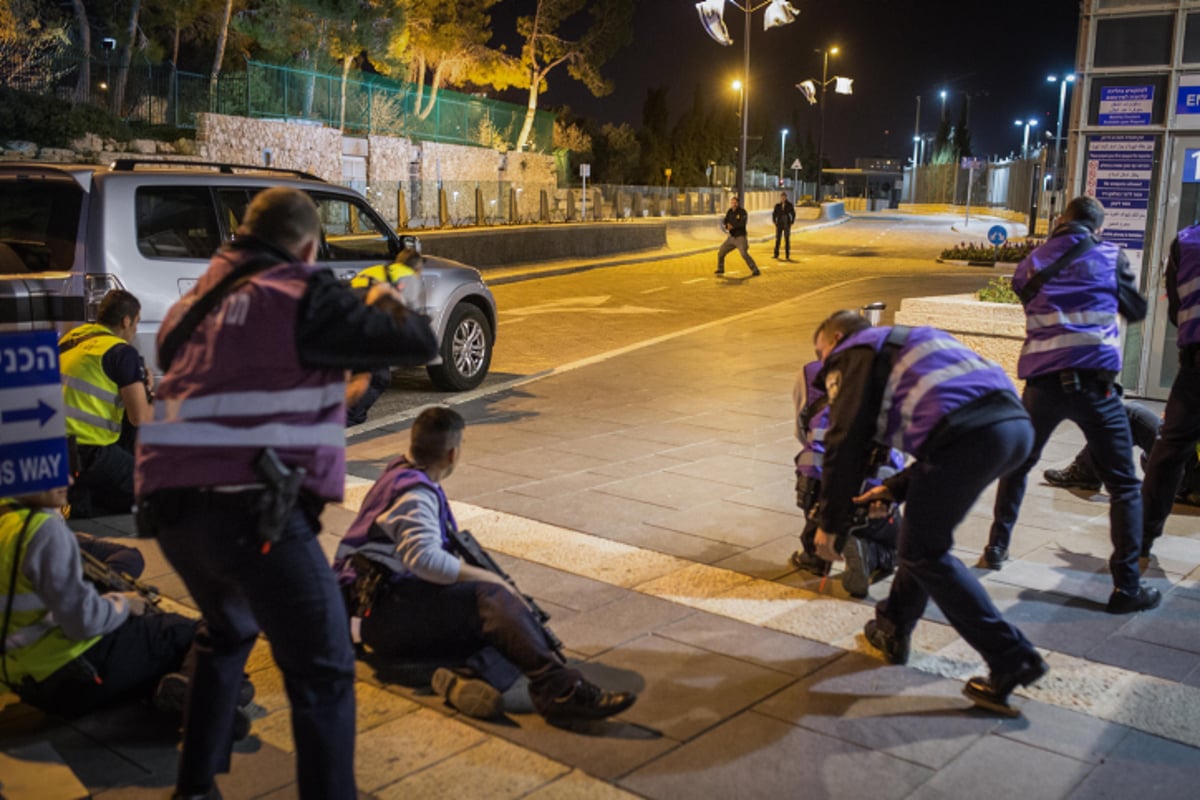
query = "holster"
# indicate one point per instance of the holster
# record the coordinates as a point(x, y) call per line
point(370, 581)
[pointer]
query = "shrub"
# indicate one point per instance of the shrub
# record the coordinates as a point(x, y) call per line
point(998, 290)
point(50, 122)
point(1011, 252)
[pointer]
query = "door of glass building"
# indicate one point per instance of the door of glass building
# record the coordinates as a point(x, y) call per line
point(1183, 209)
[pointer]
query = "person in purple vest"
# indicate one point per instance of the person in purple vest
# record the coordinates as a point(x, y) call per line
point(870, 551)
point(246, 446)
point(1177, 443)
point(431, 604)
point(919, 390)
point(1073, 288)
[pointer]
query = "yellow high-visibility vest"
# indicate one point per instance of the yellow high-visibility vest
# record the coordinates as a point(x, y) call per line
point(93, 400)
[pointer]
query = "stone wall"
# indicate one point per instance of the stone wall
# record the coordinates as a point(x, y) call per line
point(994, 330)
point(240, 140)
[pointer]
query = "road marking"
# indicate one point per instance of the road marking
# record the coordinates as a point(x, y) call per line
point(655, 289)
point(697, 280)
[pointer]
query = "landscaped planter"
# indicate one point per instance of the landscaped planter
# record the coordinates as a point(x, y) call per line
point(994, 330)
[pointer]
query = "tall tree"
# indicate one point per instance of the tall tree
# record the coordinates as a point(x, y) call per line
point(548, 47)
point(83, 88)
point(129, 39)
point(962, 134)
point(654, 137)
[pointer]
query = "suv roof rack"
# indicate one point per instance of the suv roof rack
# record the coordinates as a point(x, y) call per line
point(131, 164)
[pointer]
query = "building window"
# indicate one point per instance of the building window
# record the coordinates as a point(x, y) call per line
point(1133, 41)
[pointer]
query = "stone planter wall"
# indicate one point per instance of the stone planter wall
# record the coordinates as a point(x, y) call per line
point(994, 330)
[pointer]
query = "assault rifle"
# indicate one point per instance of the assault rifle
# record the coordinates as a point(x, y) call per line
point(473, 553)
point(107, 579)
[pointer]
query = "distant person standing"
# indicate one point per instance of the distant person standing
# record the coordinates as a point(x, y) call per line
point(1180, 433)
point(735, 225)
point(784, 216)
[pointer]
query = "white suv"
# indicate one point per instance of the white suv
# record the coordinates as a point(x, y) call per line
point(70, 233)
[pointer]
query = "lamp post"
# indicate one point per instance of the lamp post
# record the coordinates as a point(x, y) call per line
point(1062, 100)
point(778, 12)
point(782, 146)
point(825, 53)
point(740, 88)
point(1028, 123)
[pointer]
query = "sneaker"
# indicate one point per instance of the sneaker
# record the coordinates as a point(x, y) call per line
point(895, 648)
point(992, 692)
point(1074, 476)
point(472, 696)
point(1122, 603)
point(809, 562)
point(241, 724)
point(754, 273)
point(170, 696)
point(718, 272)
point(587, 701)
point(245, 692)
point(993, 557)
point(856, 578)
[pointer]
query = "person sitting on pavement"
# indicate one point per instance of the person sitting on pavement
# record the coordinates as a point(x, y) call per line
point(104, 385)
point(870, 553)
point(922, 391)
point(67, 648)
point(1144, 424)
point(431, 604)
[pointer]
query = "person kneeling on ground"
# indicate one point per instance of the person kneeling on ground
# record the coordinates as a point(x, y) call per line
point(431, 604)
point(67, 648)
point(870, 548)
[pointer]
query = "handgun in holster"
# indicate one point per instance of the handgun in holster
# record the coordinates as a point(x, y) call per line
point(280, 496)
point(366, 586)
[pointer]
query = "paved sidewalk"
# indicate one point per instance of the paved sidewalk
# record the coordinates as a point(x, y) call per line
point(651, 511)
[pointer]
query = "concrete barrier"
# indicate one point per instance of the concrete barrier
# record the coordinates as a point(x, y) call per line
point(496, 247)
point(834, 210)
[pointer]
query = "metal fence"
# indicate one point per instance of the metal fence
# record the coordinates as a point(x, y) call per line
point(159, 94)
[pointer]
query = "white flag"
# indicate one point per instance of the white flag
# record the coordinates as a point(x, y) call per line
point(780, 12)
point(712, 17)
point(809, 90)
point(843, 85)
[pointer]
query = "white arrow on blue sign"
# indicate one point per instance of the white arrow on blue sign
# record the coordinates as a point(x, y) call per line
point(33, 443)
point(997, 235)
point(1191, 166)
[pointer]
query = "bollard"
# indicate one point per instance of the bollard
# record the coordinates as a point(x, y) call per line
point(873, 312)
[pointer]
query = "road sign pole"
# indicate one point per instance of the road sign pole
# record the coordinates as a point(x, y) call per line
point(970, 180)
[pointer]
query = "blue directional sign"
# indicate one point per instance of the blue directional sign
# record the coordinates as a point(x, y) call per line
point(997, 235)
point(33, 436)
point(1191, 166)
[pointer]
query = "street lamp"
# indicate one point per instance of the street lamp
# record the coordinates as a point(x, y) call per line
point(1062, 99)
point(1028, 123)
point(712, 17)
point(844, 86)
point(943, 94)
point(782, 146)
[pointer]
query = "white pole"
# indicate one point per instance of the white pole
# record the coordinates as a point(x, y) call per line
point(584, 217)
point(970, 180)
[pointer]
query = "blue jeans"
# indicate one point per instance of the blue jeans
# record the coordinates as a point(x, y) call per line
point(944, 485)
point(212, 541)
point(1105, 425)
point(1175, 447)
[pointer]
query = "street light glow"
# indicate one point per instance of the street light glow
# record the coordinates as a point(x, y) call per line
point(833, 51)
point(736, 86)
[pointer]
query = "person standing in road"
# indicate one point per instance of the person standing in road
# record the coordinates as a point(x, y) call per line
point(1177, 443)
point(247, 445)
point(735, 226)
point(784, 216)
point(921, 391)
point(1073, 288)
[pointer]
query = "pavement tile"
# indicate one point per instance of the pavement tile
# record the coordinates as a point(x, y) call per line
point(899, 711)
point(755, 601)
point(990, 762)
point(1173, 624)
point(824, 619)
point(753, 755)
point(629, 414)
point(395, 749)
point(732, 523)
point(673, 543)
point(1049, 569)
point(733, 470)
point(687, 689)
point(673, 433)
point(777, 651)
point(549, 463)
point(643, 465)
point(1143, 766)
point(1144, 657)
point(768, 561)
point(666, 489)
point(137, 733)
point(95, 765)
point(577, 785)
point(471, 481)
point(611, 446)
point(557, 586)
point(1072, 625)
point(692, 582)
point(1179, 554)
point(604, 627)
point(552, 488)
point(506, 770)
point(1065, 732)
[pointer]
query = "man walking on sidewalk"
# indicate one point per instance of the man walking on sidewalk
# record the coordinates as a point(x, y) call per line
point(735, 224)
point(784, 216)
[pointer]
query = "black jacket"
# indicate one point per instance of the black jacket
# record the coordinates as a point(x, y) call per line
point(784, 214)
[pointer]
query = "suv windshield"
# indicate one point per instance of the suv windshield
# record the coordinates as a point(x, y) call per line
point(38, 222)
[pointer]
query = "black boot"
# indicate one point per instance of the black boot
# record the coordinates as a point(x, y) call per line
point(992, 692)
point(1073, 476)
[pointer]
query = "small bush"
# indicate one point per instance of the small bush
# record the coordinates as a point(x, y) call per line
point(998, 290)
point(50, 122)
point(1012, 252)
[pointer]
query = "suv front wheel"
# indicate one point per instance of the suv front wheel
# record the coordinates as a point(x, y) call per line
point(466, 351)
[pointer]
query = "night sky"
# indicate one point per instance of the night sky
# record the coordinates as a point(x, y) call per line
point(999, 52)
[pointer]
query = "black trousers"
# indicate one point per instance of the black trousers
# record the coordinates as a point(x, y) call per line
point(1175, 447)
point(125, 663)
point(786, 234)
point(414, 618)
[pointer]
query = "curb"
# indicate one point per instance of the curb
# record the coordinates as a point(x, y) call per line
point(958, 262)
point(551, 272)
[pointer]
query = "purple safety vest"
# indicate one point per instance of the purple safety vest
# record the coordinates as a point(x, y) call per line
point(399, 477)
point(237, 386)
point(1188, 286)
point(932, 375)
point(812, 435)
point(1072, 322)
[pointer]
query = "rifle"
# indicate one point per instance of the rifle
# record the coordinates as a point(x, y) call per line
point(473, 553)
point(108, 579)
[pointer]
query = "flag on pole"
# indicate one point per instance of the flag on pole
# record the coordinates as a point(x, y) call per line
point(712, 17)
point(843, 85)
point(780, 12)
point(809, 90)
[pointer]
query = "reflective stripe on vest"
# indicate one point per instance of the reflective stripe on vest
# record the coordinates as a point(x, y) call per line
point(214, 434)
point(92, 398)
point(925, 384)
point(1188, 287)
point(1036, 321)
point(35, 645)
point(253, 403)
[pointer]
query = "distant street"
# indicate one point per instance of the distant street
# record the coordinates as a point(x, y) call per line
point(547, 323)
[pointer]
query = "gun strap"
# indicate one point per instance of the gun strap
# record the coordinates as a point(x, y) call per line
point(1044, 276)
point(200, 309)
point(62, 348)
